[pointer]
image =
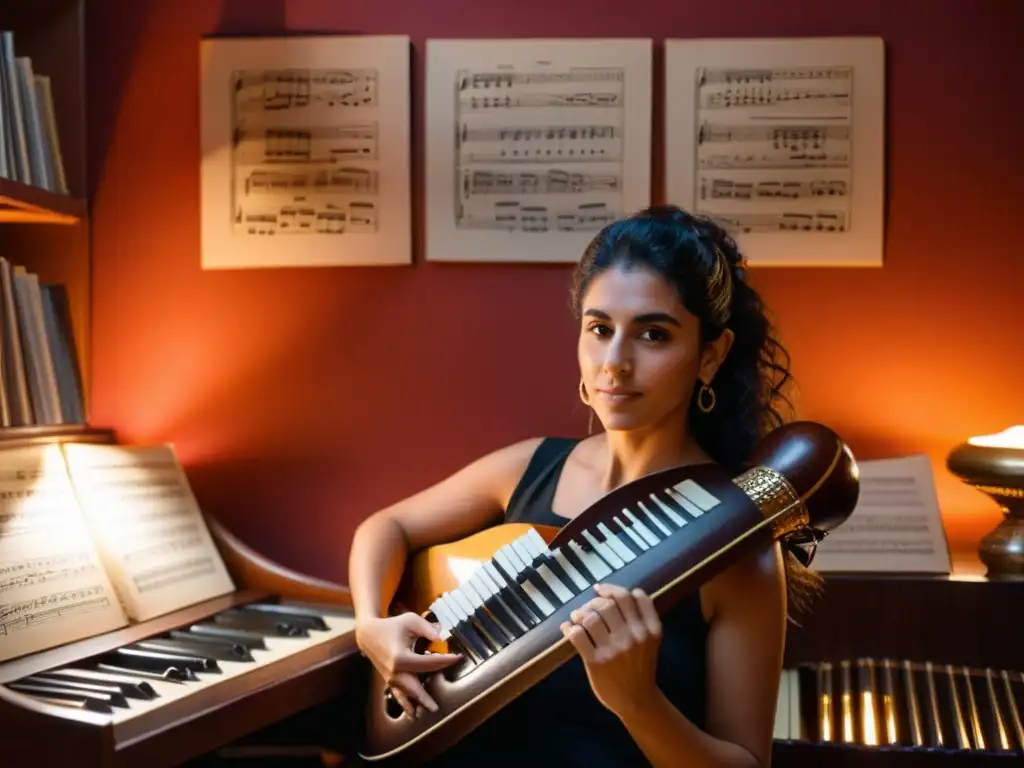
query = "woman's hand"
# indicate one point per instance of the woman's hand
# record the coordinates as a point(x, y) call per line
point(618, 635)
point(388, 644)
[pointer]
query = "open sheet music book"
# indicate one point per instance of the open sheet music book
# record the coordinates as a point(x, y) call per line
point(896, 526)
point(93, 537)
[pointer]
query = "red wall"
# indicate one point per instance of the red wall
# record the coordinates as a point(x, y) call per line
point(301, 400)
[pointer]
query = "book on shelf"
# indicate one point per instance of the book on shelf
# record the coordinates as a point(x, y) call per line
point(94, 537)
point(29, 142)
point(40, 375)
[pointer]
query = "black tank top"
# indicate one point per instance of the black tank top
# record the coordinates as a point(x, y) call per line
point(560, 722)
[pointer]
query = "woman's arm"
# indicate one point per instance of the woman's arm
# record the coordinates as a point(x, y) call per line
point(458, 506)
point(618, 635)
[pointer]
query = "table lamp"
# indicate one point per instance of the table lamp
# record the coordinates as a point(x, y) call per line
point(994, 464)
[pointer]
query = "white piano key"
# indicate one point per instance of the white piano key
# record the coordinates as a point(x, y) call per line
point(508, 558)
point(569, 568)
point(654, 520)
point(697, 494)
point(525, 553)
point(641, 528)
point(612, 540)
point(684, 502)
point(633, 536)
point(538, 542)
point(594, 564)
point(464, 601)
point(555, 584)
point(445, 618)
point(671, 513)
point(602, 549)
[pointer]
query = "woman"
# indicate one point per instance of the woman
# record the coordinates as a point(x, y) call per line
point(678, 363)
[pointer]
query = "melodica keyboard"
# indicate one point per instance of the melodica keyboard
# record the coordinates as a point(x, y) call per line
point(223, 668)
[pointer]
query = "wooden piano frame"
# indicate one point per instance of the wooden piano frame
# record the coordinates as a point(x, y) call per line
point(963, 619)
point(34, 733)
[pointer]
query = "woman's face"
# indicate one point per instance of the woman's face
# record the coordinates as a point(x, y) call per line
point(639, 349)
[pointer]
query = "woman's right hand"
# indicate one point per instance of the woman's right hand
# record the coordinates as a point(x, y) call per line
point(388, 644)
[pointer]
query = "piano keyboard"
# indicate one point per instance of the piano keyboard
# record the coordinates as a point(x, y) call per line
point(901, 704)
point(526, 582)
point(143, 676)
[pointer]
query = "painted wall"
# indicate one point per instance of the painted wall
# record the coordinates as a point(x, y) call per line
point(301, 400)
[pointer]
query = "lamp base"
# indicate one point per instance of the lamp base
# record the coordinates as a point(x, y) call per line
point(1002, 550)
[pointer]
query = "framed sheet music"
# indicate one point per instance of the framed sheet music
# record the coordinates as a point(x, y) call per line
point(781, 141)
point(305, 151)
point(532, 146)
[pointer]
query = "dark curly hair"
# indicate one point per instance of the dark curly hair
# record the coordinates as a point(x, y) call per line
point(704, 264)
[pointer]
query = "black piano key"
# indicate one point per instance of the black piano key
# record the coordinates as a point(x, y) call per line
point(220, 652)
point(214, 631)
point(203, 643)
point(467, 635)
point(577, 562)
point(559, 573)
point(311, 615)
point(157, 660)
point(132, 687)
point(517, 599)
point(503, 613)
point(530, 574)
point(624, 539)
point(79, 685)
point(170, 675)
point(74, 694)
point(657, 512)
point(268, 625)
point(494, 634)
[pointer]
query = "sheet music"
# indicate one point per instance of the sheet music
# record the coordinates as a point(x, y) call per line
point(53, 589)
point(781, 141)
point(896, 525)
point(304, 158)
point(774, 148)
point(547, 148)
point(540, 150)
point(148, 525)
point(305, 151)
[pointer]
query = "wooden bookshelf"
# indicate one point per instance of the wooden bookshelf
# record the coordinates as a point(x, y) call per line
point(47, 232)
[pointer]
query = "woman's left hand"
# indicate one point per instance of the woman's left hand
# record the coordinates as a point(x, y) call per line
point(618, 635)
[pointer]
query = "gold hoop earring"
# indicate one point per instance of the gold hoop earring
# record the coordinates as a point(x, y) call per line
point(706, 390)
point(583, 393)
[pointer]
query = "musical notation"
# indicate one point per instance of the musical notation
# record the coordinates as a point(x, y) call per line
point(326, 219)
point(554, 181)
point(53, 587)
point(148, 526)
point(746, 223)
point(561, 127)
point(512, 215)
point(291, 89)
point(306, 152)
point(53, 607)
point(715, 188)
point(771, 144)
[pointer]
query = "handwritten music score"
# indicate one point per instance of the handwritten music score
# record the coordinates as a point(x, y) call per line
point(53, 588)
point(148, 527)
point(303, 161)
point(896, 526)
point(774, 148)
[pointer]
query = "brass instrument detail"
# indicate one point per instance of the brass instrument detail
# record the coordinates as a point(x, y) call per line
point(776, 498)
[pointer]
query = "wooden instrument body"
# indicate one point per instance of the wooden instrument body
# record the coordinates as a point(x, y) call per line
point(803, 475)
point(467, 696)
